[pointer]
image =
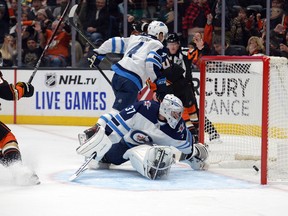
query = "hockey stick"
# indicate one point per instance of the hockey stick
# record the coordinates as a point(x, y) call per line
point(50, 41)
point(82, 168)
point(74, 25)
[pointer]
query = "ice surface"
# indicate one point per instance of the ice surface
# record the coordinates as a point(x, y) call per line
point(50, 151)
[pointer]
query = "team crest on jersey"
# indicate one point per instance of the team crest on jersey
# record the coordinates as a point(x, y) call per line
point(181, 128)
point(50, 79)
point(147, 104)
point(141, 137)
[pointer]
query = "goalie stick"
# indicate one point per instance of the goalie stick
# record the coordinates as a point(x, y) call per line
point(50, 41)
point(74, 25)
point(83, 168)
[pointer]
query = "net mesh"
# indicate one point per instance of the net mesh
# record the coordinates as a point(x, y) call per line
point(233, 107)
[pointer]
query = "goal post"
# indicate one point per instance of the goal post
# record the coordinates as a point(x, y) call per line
point(246, 98)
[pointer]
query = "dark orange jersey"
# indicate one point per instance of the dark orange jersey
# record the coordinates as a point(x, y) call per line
point(59, 45)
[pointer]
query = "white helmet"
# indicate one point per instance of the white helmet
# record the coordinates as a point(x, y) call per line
point(171, 108)
point(157, 27)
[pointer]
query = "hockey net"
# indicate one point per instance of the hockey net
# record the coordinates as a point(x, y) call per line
point(246, 99)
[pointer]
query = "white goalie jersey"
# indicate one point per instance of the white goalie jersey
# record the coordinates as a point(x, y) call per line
point(142, 57)
point(139, 124)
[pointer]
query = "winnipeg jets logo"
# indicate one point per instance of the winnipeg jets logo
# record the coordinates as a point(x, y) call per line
point(50, 79)
point(141, 137)
point(181, 128)
point(147, 104)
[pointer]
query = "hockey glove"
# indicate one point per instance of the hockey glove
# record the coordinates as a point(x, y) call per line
point(28, 89)
point(95, 59)
point(151, 85)
point(196, 159)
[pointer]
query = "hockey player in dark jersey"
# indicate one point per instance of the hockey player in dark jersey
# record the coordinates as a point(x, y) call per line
point(144, 133)
point(180, 83)
point(10, 155)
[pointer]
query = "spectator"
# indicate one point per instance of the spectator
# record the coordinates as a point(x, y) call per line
point(4, 21)
point(195, 18)
point(216, 10)
point(255, 46)
point(12, 8)
point(200, 48)
point(277, 40)
point(95, 19)
point(284, 47)
point(241, 26)
point(167, 15)
point(24, 24)
point(36, 6)
point(32, 53)
point(43, 18)
point(59, 9)
point(8, 51)
point(278, 16)
point(229, 50)
point(137, 8)
point(57, 55)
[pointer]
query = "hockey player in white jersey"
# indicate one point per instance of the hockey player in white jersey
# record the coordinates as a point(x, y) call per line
point(142, 59)
point(147, 133)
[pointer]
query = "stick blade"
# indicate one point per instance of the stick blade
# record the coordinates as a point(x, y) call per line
point(72, 11)
point(77, 174)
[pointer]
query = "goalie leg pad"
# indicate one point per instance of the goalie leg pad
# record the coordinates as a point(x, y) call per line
point(99, 143)
point(151, 161)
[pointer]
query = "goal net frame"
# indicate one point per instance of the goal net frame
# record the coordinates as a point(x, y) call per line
point(265, 61)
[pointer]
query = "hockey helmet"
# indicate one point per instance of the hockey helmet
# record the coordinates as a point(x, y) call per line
point(155, 28)
point(171, 108)
point(172, 38)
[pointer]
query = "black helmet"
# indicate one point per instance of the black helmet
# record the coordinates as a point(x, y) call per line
point(140, 26)
point(173, 38)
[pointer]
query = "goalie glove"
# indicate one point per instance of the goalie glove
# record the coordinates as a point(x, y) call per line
point(196, 159)
point(27, 88)
point(95, 59)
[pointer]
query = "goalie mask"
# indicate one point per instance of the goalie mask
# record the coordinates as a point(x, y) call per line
point(171, 108)
point(155, 28)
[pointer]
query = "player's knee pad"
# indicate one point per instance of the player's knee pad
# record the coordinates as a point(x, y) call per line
point(152, 162)
point(98, 143)
point(198, 158)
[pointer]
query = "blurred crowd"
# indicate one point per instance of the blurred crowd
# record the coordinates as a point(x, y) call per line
point(198, 26)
